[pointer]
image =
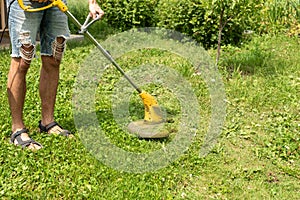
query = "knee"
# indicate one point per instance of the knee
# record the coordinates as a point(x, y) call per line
point(58, 48)
point(27, 50)
point(27, 54)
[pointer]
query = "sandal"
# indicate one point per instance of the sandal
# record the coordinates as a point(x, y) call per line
point(24, 143)
point(54, 125)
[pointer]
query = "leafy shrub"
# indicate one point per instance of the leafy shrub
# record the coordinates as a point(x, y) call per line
point(231, 18)
point(200, 19)
point(126, 14)
point(184, 16)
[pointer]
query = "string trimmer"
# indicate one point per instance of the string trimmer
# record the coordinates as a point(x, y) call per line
point(153, 114)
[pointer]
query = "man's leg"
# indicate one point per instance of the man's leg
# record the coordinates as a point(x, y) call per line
point(16, 89)
point(48, 87)
point(49, 78)
point(53, 33)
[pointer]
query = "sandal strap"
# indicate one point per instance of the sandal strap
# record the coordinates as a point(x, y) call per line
point(51, 125)
point(48, 127)
point(26, 143)
point(17, 133)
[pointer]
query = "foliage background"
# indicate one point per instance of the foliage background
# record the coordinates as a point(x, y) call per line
point(200, 19)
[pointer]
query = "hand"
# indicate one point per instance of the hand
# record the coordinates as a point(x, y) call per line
point(95, 9)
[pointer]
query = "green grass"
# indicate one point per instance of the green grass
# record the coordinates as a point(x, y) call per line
point(257, 156)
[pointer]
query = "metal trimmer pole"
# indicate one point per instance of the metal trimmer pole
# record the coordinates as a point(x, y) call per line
point(104, 52)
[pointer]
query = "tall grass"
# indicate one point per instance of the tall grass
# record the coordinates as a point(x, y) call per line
point(279, 15)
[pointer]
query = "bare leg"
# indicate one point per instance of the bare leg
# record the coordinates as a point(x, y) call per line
point(49, 82)
point(16, 90)
point(48, 87)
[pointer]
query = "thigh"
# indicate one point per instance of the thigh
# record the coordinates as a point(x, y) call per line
point(23, 27)
point(53, 25)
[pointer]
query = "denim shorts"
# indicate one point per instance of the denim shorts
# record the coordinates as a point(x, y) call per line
point(25, 26)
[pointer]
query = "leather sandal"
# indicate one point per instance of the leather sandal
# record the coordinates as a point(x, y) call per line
point(24, 143)
point(54, 126)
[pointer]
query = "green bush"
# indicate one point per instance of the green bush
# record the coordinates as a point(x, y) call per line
point(126, 14)
point(199, 19)
point(185, 16)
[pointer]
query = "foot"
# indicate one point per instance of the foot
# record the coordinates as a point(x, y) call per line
point(21, 138)
point(54, 128)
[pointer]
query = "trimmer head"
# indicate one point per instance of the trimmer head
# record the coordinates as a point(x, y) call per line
point(152, 124)
point(147, 131)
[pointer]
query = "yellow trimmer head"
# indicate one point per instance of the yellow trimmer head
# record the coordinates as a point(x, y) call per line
point(151, 125)
point(153, 114)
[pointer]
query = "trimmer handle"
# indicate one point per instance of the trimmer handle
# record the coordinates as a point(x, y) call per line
point(88, 22)
point(59, 3)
